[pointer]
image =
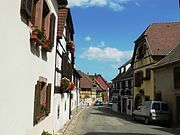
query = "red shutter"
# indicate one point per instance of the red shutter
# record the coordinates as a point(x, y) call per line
point(48, 98)
point(52, 28)
point(37, 102)
point(47, 25)
point(39, 11)
point(26, 7)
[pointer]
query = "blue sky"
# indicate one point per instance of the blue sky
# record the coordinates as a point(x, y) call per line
point(105, 30)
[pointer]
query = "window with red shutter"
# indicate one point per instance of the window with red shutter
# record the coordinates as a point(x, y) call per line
point(37, 102)
point(42, 101)
point(52, 28)
point(48, 98)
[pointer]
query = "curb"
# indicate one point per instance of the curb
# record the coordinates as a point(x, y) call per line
point(67, 124)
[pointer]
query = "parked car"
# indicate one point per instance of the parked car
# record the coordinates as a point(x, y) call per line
point(151, 111)
point(98, 103)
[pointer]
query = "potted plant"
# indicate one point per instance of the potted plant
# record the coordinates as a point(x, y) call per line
point(42, 109)
point(70, 46)
point(47, 45)
point(71, 86)
point(64, 84)
point(37, 35)
point(45, 133)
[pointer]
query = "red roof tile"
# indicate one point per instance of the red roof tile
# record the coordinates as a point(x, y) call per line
point(162, 37)
point(85, 81)
point(172, 57)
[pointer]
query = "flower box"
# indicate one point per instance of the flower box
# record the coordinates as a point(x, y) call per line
point(37, 35)
point(47, 45)
point(70, 46)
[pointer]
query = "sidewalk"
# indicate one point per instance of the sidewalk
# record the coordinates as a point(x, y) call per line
point(69, 127)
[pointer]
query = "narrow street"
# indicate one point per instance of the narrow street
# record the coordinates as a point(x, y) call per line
point(102, 121)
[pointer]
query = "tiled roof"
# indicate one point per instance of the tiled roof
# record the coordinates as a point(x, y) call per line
point(117, 77)
point(121, 76)
point(126, 73)
point(102, 83)
point(172, 57)
point(85, 81)
point(162, 37)
point(62, 15)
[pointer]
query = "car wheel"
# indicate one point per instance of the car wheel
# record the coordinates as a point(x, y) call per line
point(133, 117)
point(146, 120)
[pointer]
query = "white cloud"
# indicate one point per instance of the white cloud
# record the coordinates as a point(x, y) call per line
point(137, 4)
point(102, 44)
point(116, 5)
point(88, 38)
point(105, 54)
point(116, 66)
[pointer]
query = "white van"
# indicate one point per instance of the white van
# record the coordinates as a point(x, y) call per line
point(152, 111)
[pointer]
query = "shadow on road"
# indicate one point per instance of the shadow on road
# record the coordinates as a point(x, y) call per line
point(108, 112)
point(111, 133)
point(174, 131)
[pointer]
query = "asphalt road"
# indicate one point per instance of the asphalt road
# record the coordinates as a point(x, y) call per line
point(102, 121)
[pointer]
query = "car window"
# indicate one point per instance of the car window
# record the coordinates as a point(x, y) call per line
point(164, 107)
point(156, 106)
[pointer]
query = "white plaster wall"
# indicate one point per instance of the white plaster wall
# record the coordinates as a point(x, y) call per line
point(64, 113)
point(60, 100)
point(74, 100)
point(20, 69)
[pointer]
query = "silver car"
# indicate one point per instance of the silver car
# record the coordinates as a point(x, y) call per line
point(152, 111)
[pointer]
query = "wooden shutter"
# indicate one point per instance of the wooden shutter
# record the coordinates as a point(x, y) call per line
point(64, 65)
point(48, 98)
point(70, 71)
point(39, 11)
point(26, 7)
point(52, 28)
point(138, 78)
point(177, 77)
point(141, 77)
point(148, 74)
point(37, 102)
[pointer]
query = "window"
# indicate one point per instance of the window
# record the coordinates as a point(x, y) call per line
point(42, 101)
point(177, 77)
point(141, 52)
point(39, 16)
point(156, 106)
point(129, 84)
point(138, 78)
point(148, 74)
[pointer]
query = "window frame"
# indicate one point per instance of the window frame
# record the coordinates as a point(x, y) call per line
point(177, 77)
